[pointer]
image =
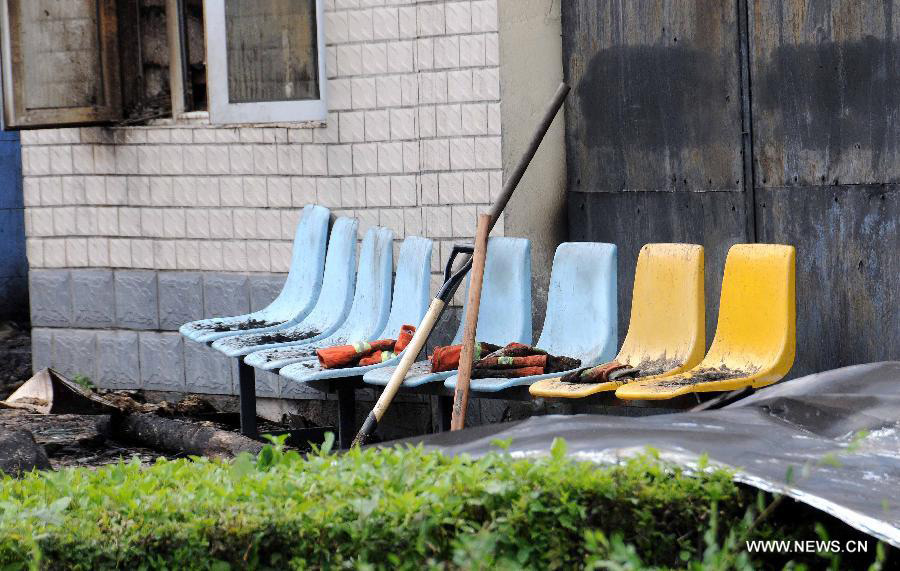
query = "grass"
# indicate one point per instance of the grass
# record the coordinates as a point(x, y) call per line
point(393, 508)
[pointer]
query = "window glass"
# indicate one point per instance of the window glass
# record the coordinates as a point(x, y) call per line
point(271, 50)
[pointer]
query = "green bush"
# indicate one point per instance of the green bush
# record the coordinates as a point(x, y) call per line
point(374, 508)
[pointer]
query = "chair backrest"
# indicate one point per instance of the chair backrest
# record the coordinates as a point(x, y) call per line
point(504, 314)
point(411, 286)
point(372, 300)
point(757, 310)
point(339, 279)
point(667, 329)
point(581, 319)
point(304, 279)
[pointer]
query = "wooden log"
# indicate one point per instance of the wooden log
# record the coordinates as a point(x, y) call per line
point(58, 431)
point(179, 436)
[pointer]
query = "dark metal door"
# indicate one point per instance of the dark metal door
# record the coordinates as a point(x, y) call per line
point(723, 122)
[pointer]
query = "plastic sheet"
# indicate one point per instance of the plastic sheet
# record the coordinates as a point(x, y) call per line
point(797, 423)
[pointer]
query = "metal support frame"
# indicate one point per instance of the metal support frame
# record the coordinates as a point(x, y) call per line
point(247, 393)
point(445, 412)
point(345, 390)
point(296, 436)
point(346, 414)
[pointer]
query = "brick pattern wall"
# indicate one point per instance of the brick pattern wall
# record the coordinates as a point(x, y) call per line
point(119, 327)
point(412, 142)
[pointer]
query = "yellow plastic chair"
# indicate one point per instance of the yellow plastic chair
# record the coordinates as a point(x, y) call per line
point(666, 333)
point(756, 335)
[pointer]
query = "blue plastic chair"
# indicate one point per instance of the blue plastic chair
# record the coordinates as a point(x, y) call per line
point(581, 319)
point(503, 317)
point(368, 314)
point(297, 297)
point(409, 304)
point(331, 307)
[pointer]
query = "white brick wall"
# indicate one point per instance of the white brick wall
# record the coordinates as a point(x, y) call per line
point(412, 142)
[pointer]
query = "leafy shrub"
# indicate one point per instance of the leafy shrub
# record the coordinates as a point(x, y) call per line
point(374, 508)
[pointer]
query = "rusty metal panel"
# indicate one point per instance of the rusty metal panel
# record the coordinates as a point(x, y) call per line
point(826, 91)
point(656, 103)
point(821, 87)
point(632, 219)
point(848, 270)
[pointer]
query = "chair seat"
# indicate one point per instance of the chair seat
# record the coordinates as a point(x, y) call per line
point(409, 304)
point(297, 335)
point(419, 374)
point(581, 312)
point(490, 385)
point(331, 306)
point(554, 387)
point(311, 370)
point(755, 337)
point(671, 386)
point(503, 317)
point(208, 330)
point(666, 332)
point(297, 297)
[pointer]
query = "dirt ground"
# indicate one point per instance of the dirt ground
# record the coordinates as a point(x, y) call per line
point(15, 357)
point(75, 440)
point(81, 440)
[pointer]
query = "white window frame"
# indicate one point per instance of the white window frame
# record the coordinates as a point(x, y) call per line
point(222, 111)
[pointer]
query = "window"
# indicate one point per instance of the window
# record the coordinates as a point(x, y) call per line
point(59, 62)
point(76, 62)
point(266, 60)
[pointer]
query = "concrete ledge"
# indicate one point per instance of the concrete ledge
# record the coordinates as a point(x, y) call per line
point(93, 298)
point(143, 300)
point(74, 352)
point(137, 300)
point(225, 295)
point(41, 348)
point(162, 361)
point(180, 298)
point(208, 371)
point(50, 297)
point(118, 362)
point(119, 327)
point(264, 289)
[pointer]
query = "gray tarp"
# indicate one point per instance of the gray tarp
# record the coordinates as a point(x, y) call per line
point(795, 423)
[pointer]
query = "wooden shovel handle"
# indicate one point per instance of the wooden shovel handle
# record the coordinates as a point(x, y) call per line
point(467, 354)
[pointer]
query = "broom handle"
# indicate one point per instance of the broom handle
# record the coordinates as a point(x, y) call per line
point(409, 357)
point(446, 293)
point(467, 354)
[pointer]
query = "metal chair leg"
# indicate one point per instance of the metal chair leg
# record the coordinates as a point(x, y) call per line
point(445, 412)
point(346, 413)
point(247, 391)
